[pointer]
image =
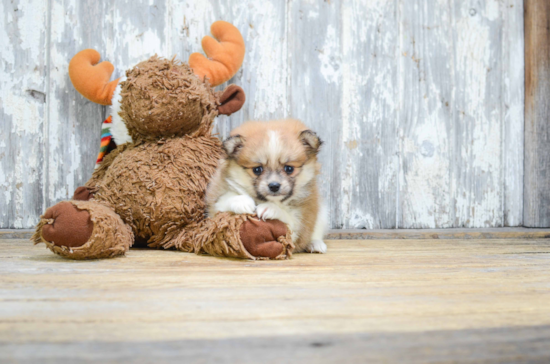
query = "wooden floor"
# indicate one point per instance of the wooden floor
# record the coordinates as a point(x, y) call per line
point(364, 301)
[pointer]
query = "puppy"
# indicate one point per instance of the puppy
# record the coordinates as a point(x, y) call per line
point(271, 169)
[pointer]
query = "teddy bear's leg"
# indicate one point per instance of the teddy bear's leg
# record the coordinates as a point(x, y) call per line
point(237, 236)
point(83, 230)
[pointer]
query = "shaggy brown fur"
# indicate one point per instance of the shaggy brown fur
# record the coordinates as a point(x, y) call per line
point(222, 235)
point(164, 98)
point(158, 188)
point(154, 187)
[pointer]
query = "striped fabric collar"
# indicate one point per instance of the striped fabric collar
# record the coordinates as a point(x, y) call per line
point(106, 141)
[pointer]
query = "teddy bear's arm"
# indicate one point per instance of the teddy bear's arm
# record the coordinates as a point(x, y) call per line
point(86, 192)
point(100, 171)
point(235, 236)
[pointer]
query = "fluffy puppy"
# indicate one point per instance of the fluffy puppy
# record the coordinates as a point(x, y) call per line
point(271, 169)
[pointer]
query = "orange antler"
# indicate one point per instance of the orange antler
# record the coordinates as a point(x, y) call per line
point(92, 79)
point(224, 58)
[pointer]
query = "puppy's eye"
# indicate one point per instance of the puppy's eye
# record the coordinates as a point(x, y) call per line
point(289, 169)
point(258, 170)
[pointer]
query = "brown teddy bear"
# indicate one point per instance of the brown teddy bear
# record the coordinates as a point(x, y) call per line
point(151, 188)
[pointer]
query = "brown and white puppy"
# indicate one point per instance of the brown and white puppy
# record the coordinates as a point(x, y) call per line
point(271, 169)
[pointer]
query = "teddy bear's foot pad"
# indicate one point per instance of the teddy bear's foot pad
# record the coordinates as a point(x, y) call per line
point(67, 225)
point(261, 238)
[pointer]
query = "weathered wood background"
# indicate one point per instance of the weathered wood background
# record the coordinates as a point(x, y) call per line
point(420, 102)
point(536, 189)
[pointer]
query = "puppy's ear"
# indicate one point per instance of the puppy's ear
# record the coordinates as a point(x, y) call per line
point(232, 145)
point(311, 142)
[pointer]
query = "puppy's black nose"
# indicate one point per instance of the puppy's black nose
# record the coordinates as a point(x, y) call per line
point(274, 186)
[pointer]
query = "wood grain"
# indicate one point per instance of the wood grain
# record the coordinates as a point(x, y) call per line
point(365, 163)
point(73, 123)
point(420, 104)
point(513, 110)
point(440, 294)
point(501, 345)
point(426, 126)
point(461, 122)
point(537, 113)
point(361, 234)
point(315, 66)
point(449, 233)
point(23, 111)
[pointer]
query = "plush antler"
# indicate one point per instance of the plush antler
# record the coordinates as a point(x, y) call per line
point(224, 57)
point(92, 79)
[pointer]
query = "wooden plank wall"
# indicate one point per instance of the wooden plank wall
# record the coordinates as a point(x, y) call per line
point(537, 113)
point(420, 103)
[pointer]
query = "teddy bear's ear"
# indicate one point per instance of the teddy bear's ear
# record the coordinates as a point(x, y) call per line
point(232, 145)
point(311, 141)
point(231, 100)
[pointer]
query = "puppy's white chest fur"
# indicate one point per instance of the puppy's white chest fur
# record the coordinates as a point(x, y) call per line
point(281, 212)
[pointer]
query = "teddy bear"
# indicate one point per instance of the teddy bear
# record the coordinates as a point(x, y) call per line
point(150, 189)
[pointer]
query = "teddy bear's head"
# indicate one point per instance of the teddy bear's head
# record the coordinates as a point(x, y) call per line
point(161, 98)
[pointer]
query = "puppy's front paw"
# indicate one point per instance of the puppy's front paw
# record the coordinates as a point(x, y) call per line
point(268, 211)
point(317, 246)
point(242, 204)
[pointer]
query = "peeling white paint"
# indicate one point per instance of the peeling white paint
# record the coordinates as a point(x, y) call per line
point(330, 57)
point(34, 15)
point(361, 220)
point(312, 14)
point(7, 57)
point(22, 97)
point(24, 113)
point(492, 9)
point(265, 64)
point(420, 133)
point(350, 108)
